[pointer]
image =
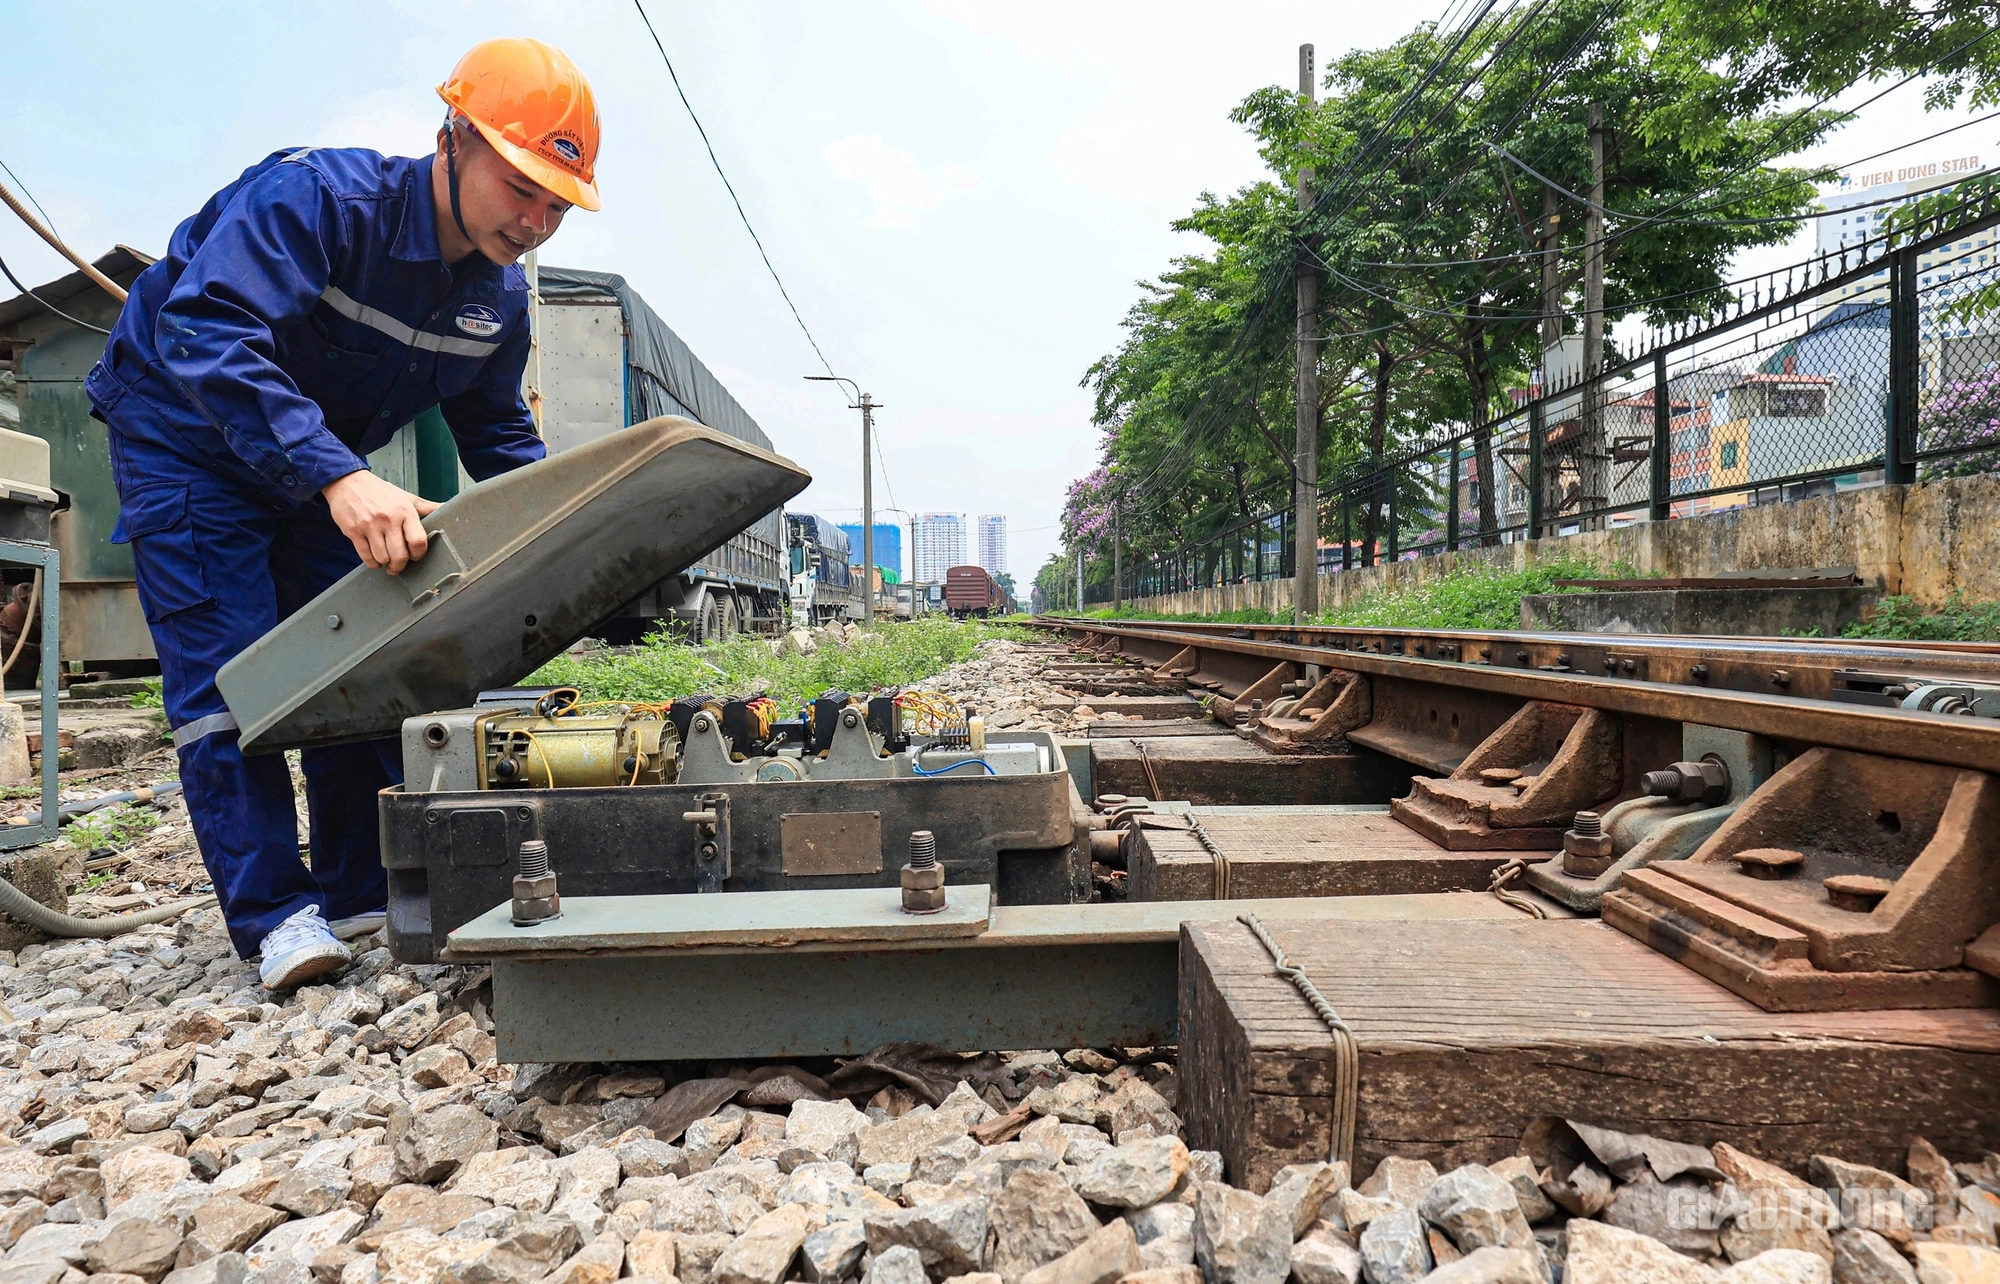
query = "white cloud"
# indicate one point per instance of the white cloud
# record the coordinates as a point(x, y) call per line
point(901, 192)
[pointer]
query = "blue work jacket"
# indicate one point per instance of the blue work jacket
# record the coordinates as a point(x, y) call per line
point(302, 316)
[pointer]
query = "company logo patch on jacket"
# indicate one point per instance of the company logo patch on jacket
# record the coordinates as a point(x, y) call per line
point(480, 321)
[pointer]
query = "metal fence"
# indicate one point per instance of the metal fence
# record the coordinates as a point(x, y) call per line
point(1845, 371)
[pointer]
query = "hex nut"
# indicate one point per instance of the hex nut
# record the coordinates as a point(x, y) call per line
point(923, 890)
point(529, 889)
point(1703, 779)
point(1577, 866)
point(1588, 848)
point(537, 910)
point(923, 901)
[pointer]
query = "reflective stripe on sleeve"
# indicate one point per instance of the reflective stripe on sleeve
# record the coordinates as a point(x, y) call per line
point(376, 319)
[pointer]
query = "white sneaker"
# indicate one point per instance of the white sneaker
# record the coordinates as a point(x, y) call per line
point(299, 949)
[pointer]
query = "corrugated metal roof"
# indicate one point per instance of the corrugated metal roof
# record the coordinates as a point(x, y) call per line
point(121, 265)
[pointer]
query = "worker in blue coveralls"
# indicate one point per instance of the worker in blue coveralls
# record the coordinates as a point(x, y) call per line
point(311, 308)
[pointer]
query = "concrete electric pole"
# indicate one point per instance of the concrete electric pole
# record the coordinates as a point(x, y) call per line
point(867, 405)
point(1117, 565)
point(1549, 501)
point(1305, 498)
point(867, 509)
point(1593, 456)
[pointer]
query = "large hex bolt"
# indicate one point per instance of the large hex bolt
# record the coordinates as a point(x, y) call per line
point(1586, 847)
point(535, 898)
point(923, 877)
point(1704, 782)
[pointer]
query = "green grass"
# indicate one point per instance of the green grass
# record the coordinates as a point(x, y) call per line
point(149, 697)
point(114, 827)
point(1900, 619)
point(886, 655)
point(1473, 598)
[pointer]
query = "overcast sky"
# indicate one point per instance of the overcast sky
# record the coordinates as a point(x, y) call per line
point(959, 196)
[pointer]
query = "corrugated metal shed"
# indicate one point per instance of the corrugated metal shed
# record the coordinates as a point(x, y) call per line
point(101, 618)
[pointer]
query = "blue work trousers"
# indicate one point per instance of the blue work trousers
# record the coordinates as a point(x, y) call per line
point(218, 567)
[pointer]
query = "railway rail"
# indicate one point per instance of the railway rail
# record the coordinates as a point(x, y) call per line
point(1435, 694)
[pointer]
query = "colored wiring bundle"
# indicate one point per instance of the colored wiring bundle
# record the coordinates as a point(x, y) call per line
point(934, 712)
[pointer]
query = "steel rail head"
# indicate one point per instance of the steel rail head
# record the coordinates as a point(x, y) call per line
point(1859, 650)
point(1970, 743)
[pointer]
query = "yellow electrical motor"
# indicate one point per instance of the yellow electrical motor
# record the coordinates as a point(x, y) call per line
point(524, 750)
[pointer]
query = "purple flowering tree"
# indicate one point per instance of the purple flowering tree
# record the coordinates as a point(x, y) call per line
point(1086, 517)
point(1963, 419)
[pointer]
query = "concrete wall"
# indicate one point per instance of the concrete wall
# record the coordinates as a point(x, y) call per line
point(1925, 540)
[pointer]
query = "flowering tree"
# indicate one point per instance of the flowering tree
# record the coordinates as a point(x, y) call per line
point(1086, 517)
point(1964, 418)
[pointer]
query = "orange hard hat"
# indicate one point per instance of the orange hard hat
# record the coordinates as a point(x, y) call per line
point(531, 103)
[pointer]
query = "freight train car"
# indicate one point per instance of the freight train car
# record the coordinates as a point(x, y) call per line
point(970, 591)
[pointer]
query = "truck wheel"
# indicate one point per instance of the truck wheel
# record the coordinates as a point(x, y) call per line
point(711, 622)
point(732, 618)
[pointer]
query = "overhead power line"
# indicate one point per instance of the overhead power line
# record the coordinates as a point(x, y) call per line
point(1510, 256)
point(734, 198)
point(9, 273)
point(31, 196)
point(1638, 222)
point(1352, 181)
point(1452, 41)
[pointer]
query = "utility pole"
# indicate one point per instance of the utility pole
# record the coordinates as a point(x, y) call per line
point(1552, 337)
point(1117, 565)
point(867, 405)
point(1549, 242)
point(1079, 577)
point(1305, 498)
point(867, 509)
point(1593, 451)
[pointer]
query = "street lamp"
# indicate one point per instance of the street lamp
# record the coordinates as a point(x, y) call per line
point(867, 406)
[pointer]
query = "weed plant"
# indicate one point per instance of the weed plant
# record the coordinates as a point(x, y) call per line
point(115, 828)
point(1476, 597)
point(1900, 619)
point(661, 668)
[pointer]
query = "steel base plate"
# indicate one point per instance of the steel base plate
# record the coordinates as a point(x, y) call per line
point(778, 919)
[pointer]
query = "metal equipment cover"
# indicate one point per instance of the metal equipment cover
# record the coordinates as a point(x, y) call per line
point(519, 567)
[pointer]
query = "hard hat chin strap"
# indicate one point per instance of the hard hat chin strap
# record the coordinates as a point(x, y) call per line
point(451, 170)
